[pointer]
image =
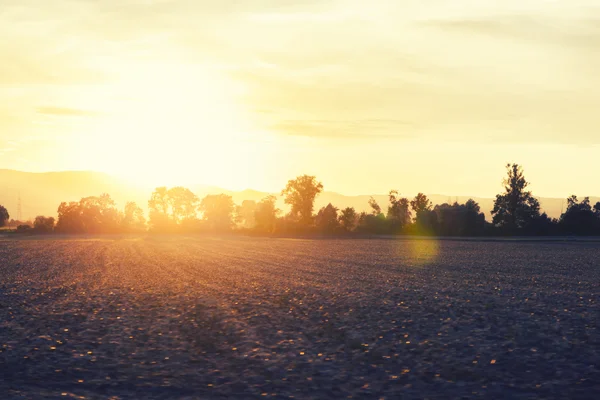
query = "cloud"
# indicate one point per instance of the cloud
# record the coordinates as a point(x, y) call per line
point(551, 30)
point(356, 129)
point(65, 112)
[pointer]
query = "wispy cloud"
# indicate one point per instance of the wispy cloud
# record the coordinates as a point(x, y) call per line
point(65, 112)
point(357, 129)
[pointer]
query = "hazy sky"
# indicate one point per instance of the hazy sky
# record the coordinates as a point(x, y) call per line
point(419, 95)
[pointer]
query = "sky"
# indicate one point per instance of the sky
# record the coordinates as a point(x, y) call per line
point(418, 95)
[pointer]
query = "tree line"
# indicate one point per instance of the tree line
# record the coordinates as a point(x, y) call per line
point(178, 210)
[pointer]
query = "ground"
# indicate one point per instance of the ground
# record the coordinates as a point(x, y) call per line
point(198, 317)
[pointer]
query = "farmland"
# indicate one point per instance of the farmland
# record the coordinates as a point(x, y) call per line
point(226, 317)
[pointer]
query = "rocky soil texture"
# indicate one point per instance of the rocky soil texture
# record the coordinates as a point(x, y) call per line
point(185, 318)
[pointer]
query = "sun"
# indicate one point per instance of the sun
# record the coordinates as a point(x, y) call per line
point(170, 124)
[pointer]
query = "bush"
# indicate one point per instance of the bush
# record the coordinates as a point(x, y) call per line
point(43, 224)
point(23, 229)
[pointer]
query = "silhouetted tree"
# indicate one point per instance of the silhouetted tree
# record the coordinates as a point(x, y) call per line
point(425, 218)
point(420, 203)
point(543, 226)
point(94, 214)
point(327, 219)
point(399, 214)
point(183, 204)
point(43, 224)
point(99, 214)
point(4, 216)
point(159, 209)
point(245, 214)
point(348, 218)
point(375, 207)
point(371, 223)
point(459, 219)
point(265, 215)
point(133, 218)
point(516, 208)
point(300, 193)
point(580, 218)
point(217, 212)
point(170, 208)
point(474, 219)
point(69, 218)
point(426, 223)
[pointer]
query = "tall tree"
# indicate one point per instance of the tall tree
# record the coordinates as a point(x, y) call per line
point(265, 215)
point(217, 211)
point(159, 209)
point(69, 218)
point(348, 218)
point(375, 207)
point(425, 218)
point(4, 216)
point(133, 218)
point(420, 203)
point(183, 204)
point(245, 214)
point(327, 219)
point(399, 213)
point(516, 208)
point(99, 214)
point(300, 193)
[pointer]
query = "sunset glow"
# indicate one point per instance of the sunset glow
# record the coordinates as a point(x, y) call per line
point(366, 97)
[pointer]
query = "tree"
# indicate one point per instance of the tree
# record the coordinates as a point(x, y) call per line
point(375, 207)
point(459, 219)
point(4, 216)
point(516, 208)
point(43, 224)
point(425, 218)
point(217, 211)
point(170, 208)
point(580, 218)
point(183, 204)
point(371, 223)
point(245, 214)
point(159, 208)
point(265, 214)
point(300, 193)
point(99, 214)
point(94, 214)
point(399, 214)
point(69, 218)
point(420, 203)
point(348, 218)
point(133, 218)
point(327, 219)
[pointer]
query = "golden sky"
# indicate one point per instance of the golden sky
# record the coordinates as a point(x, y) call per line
point(419, 95)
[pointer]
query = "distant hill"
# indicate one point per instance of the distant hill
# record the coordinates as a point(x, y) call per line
point(41, 193)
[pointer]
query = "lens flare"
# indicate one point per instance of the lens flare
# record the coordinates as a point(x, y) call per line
point(423, 252)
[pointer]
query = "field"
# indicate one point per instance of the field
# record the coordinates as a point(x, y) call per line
point(179, 317)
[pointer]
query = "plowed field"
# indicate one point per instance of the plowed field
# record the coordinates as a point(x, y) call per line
point(186, 317)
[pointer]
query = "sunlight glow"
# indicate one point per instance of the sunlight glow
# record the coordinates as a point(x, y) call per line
point(423, 251)
point(170, 123)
